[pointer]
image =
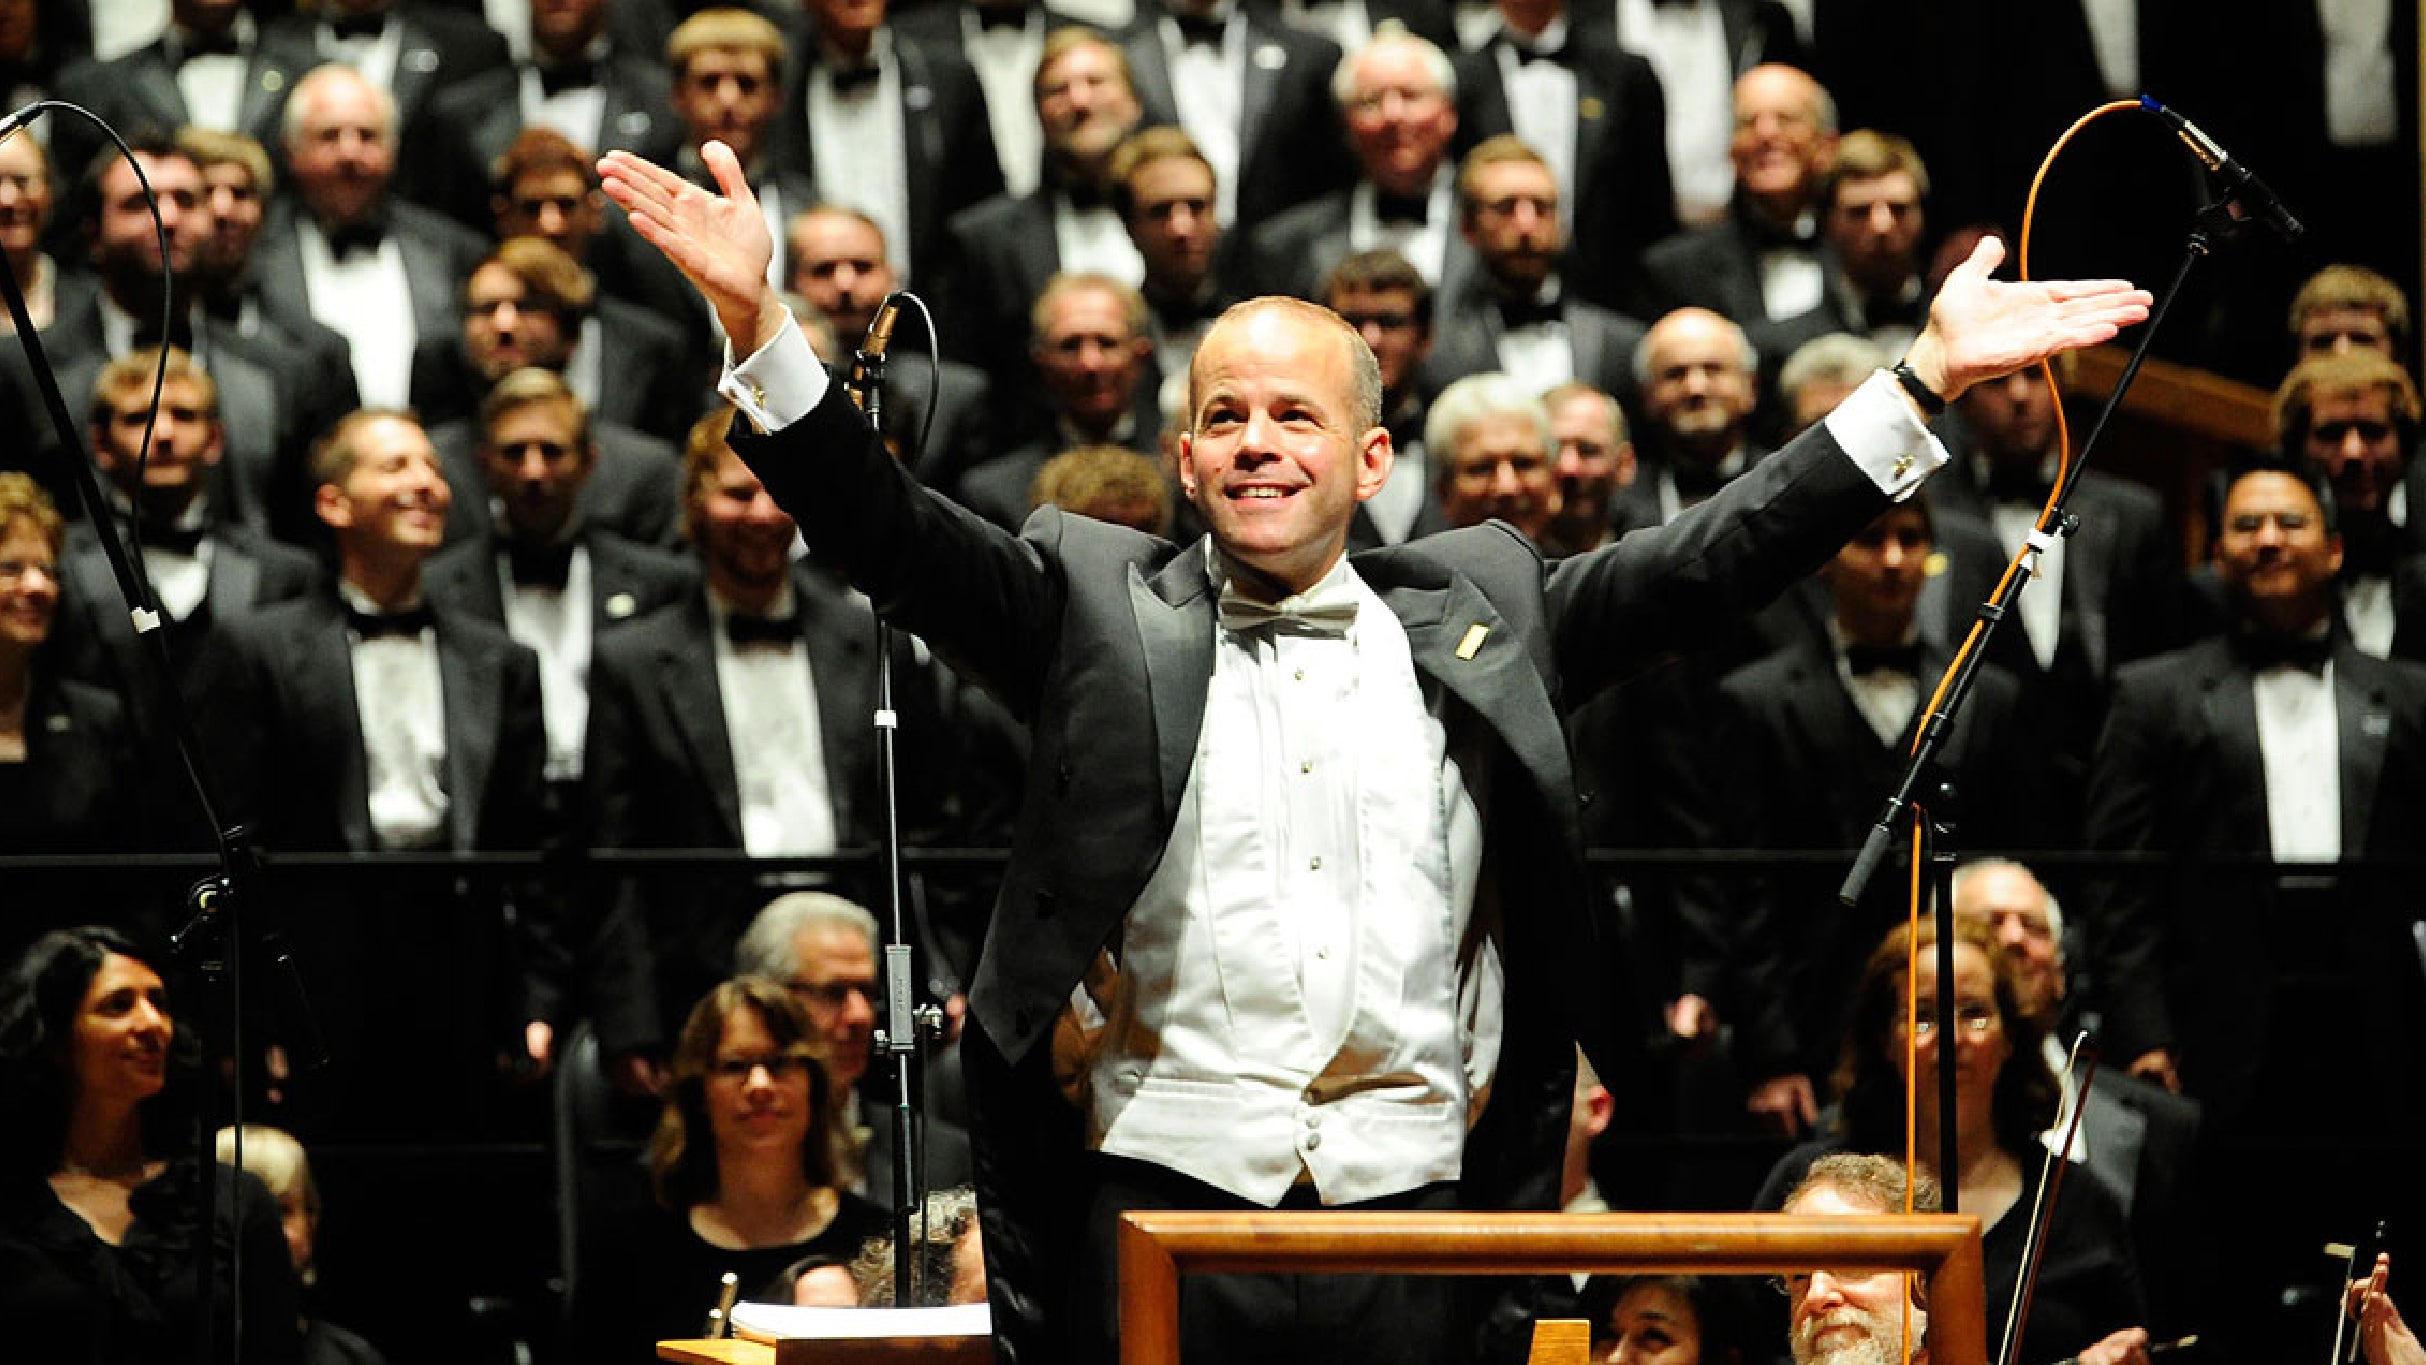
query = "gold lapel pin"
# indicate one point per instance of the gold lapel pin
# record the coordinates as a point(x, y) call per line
point(1473, 643)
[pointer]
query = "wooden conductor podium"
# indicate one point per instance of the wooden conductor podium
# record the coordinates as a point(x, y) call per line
point(1157, 1247)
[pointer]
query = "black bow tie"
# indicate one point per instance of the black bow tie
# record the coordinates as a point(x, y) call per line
point(1802, 233)
point(1516, 313)
point(1695, 482)
point(221, 44)
point(1411, 209)
point(1529, 53)
point(180, 333)
point(2307, 653)
point(1201, 28)
point(346, 239)
point(990, 17)
point(578, 74)
point(761, 630)
point(540, 566)
point(182, 540)
point(373, 625)
point(346, 27)
point(853, 80)
point(1865, 659)
point(1878, 313)
point(2023, 484)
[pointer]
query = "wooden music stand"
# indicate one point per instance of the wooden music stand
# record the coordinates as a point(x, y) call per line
point(1156, 1246)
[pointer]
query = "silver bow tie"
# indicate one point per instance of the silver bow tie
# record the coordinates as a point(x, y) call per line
point(1328, 608)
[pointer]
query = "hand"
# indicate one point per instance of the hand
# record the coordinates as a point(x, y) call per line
point(825, 1286)
point(635, 1074)
point(2127, 1347)
point(1981, 328)
point(539, 1044)
point(1691, 1018)
point(719, 242)
point(2383, 1338)
point(1785, 1104)
point(2157, 1065)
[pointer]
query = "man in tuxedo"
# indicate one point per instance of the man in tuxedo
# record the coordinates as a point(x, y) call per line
point(1518, 314)
point(27, 195)
point(1162, 187)
point(551, 577)
point(206, 568)
point(2285, 997)
point(1700, 382)
point(528, 303)
point(736, 717)
point(1399, 95)
point(274, 391)
point(215, 67)
point(1763, 261)
point(2136, 1137)
point(885, 126)
point(1596, 115)
point(1007, 43)
point(1698, 48)
point(1005, 249)
point(342, 250)
point(1254, 94)
point(1095, 353)
point(2107, 594)
point(372, 720)
point(2352, 418)
point(1812, 739)
point(1384, 297)
point(1103, 639)
point(410, 50)
point(837, 261)
point(583, 79)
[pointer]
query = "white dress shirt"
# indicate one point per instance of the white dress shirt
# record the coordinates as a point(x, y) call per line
point(556, 625)
point(367, 298)
point(857, 143)
point(1005, 60)
point(1210, 86)
point(1094, 239)
point(212, 84)
point(1542, 106)
point(2300, 740)
point(2042, 603)
point(400, 701)
point(1425, 244)
point(1686, 45)
point(2361, 80)
point(769, 693)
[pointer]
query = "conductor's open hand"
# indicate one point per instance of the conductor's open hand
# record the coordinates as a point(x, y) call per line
point(1980, 328)
point(718, 241)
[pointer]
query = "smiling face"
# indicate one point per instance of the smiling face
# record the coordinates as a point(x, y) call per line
point(1084, 103)
point(2014, 907)
point(343, 148)
point(1781, 144)
point(744, 539)
point(1500, 467)
point(1593, 461)
point(758, 1094)
point(1698, 390)
point(1845, 1318)
point(2277, 559)
point(1400, 121)
point(1277, 454)
point(393, 502)
point(25, 197)
point(29, 587)
point(1089, 357)
point(122, 1033)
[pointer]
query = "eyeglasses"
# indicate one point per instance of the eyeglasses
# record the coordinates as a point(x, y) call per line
point(781, 1066)
point(1388, 322)
point(2335, 433)
point(832, 995)
point(1973, 1019)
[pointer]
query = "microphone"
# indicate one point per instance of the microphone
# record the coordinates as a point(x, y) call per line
point(2240, 184)
point(21, 118)
point(868, 366)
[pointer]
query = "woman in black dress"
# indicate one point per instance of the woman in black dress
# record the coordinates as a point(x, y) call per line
point(743, 1166)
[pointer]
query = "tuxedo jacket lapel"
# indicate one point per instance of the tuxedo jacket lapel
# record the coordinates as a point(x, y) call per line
point(1457, 638)
point(840, 665)
point(1175, 624)
point(2115, 1133)
point(2364, 717)
point(687, 688)
point(470, 683)
point(333, 713)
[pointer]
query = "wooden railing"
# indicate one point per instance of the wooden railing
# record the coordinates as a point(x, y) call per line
point(1156, 1247)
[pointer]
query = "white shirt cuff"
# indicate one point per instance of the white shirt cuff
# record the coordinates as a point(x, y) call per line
point(779, 385)
point(1879, 430)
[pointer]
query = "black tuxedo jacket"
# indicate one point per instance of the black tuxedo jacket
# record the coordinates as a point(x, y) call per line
point(1466, 329)
point(436, 47)
point(439, 256)
point(1625, 199)
point(1000, 255)
point(77, 790)
point(1805, 771)
point(139, 89)
point(648, 375)
point(444, 160)
point(635, 491)
point(627, 579)
point(1715, 267)
point(1291, 145)
point(965, 424)
point(1291, 253)
point(2185, 956)
point(659, 774)
point(947, 140)
point(1101, 639)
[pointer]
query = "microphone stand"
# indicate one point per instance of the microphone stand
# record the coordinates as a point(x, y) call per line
point(906, 1025)
point(213, 936)
point(2214, 223)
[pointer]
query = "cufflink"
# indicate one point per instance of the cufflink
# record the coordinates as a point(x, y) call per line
point(620, 605)
point(1903, 465)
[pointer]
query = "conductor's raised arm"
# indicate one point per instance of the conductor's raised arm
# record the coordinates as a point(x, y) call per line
point(718, 241)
